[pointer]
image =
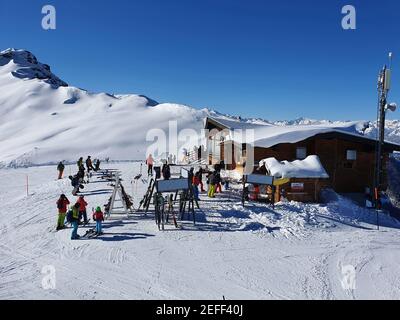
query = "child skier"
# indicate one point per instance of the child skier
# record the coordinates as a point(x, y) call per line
point(98, 216)
point(62, 205)
point(82, 209)
point(75, 221)
point(195, 185)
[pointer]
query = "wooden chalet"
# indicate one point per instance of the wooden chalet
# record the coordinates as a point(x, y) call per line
point(348, 157)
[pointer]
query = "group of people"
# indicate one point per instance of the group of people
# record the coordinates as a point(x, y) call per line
point(214, 180)
point(78, 179)
point(77, 215)
point(81, 167)
point(196, 180)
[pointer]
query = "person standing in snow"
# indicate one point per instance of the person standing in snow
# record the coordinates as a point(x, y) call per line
point(211, 185)
point(89, 164)
point(98, 216)
point(60, 169)
point(166, 171)
point(75, 221)
point(79, 163)
point(97, 165)
point(150, 163)
point(82, 209)
point(217, 182)
point(195, 186)
point(201, 179)
point(62, 204)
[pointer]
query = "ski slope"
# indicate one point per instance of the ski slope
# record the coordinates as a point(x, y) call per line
point(296, 251)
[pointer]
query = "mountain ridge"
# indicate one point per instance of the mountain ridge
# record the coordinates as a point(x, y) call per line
point(44, 120)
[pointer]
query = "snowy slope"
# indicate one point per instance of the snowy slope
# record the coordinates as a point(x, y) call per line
point(295, 251)
point(43, 120)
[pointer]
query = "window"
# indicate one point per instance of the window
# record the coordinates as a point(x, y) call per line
point(351, 155)
point(301, 153)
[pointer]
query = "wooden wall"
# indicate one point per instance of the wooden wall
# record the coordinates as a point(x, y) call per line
point(345, 176)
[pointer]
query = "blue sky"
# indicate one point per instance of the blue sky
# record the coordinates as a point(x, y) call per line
point(269, 59)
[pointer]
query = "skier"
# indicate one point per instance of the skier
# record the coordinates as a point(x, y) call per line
point(211, 185)
point(166, 171)
point(82, 210)
point(60, 169)
point(75, 221)
point(75, 182)
point(97, 165)
point(62, 205)
point(218, 181)
point(195, 186)
point(201, 179)
point(98, 216)
point(150, 163)
point(89, 164)
point(79, 163)
point(81, 174)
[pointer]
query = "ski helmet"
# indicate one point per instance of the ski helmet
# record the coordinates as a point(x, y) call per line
point(98, 209)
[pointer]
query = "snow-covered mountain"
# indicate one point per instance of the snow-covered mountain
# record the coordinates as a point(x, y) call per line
point(44, 120)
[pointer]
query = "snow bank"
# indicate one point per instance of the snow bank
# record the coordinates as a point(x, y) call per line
point(310, 167)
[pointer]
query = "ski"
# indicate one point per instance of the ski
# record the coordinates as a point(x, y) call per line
point(88, 233)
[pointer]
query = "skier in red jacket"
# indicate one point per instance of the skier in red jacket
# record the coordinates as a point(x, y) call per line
point(98, 216)
point(62, 204)
point(82, 209)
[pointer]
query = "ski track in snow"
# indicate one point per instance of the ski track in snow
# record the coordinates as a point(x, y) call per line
point(293, 252)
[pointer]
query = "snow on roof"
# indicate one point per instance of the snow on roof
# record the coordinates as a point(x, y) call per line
point(268, 135)
point(233, 124)
point(310, 167)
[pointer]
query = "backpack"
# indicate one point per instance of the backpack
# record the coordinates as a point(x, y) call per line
point(69, 216)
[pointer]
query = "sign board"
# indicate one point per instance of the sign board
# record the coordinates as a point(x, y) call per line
point(259, 179)
point(297, 186)
point(172, 185)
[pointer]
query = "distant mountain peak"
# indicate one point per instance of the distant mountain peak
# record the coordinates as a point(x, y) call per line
point(27, 66)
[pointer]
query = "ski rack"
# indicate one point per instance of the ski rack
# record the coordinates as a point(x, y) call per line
point(123, 198)
point(145, 202)
point(180, 187)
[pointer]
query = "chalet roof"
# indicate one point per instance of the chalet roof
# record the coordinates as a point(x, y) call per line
point(268, 135)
